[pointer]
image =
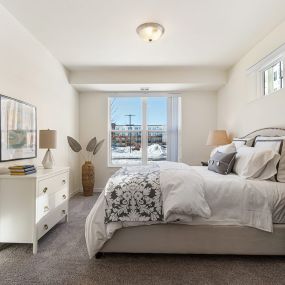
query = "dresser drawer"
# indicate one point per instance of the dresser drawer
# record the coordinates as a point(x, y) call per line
point(51, 219)
point(52, 184)
point(46, 203)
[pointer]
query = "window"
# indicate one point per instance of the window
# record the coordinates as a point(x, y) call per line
point(273, 78)
point(143, 129)
point(265, 77)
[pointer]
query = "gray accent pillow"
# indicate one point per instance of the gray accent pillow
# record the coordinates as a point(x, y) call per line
point(222, 163)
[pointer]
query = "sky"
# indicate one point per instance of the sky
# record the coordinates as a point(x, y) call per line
point(156, 110)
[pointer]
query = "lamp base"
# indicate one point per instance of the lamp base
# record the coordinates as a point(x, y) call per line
point(48, 160)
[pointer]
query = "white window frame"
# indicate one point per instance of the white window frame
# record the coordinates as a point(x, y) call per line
point(144, 130)
point(261, 66)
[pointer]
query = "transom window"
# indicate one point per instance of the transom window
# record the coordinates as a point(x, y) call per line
point(273, 78)
point(266, 76)
point(143, 130)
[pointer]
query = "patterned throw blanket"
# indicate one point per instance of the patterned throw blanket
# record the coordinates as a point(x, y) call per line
point(133, 195)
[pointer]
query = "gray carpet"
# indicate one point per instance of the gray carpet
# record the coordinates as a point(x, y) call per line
point(62, 259)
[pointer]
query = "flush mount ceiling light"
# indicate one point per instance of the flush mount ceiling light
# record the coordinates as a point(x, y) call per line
point(150, 32)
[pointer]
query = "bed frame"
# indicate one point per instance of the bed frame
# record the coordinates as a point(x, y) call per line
point(206, 239)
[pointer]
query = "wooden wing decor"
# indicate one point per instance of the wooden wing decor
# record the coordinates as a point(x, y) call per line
point(74, 144)
point(92, 147)
point(98, 147)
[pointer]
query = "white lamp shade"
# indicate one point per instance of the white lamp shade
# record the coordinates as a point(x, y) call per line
point(48, 139)
point(218, 137)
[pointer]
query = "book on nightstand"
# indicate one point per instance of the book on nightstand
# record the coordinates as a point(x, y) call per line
point(22, 170)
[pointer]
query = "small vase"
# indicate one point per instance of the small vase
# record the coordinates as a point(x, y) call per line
point(88, 178)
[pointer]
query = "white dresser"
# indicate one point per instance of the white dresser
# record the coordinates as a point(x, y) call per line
point(31, 205)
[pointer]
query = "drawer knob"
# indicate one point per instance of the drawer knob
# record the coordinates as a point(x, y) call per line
point(46, 227)
point(45, 189)
point(46, 208)
point(63, 212)
point(64, 196)
point(63, 181)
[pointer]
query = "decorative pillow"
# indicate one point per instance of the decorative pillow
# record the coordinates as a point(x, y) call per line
point(227, 148)
point(256, 163)
point(276, 144)
point(241, 142)
point(222, 162)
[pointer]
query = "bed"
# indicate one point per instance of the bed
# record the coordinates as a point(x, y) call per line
point(256, 233)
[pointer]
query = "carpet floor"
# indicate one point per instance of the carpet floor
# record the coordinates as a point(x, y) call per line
point(62, 259)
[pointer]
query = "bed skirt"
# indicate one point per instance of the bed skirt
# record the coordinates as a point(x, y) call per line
point(184, 239)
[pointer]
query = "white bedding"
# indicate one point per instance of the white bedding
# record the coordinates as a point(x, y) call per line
point(232, 201)
point(183, 193)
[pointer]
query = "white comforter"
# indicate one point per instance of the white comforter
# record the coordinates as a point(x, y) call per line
point(183, 193)
point(224, 200)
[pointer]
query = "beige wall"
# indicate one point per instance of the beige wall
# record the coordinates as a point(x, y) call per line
point(239, 109)
point(30, 73)
point(198, 116)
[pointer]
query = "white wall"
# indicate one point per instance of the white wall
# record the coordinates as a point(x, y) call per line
point(30, 73)
point(239, 110)
point(198, 116)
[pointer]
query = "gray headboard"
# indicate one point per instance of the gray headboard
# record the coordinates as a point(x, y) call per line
point(272, 132)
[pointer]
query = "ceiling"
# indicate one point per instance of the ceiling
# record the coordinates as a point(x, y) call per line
point(92, 33)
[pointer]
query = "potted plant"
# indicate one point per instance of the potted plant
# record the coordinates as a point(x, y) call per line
point(88, 174)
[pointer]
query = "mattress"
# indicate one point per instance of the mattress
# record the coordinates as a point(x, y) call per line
point(275, 192)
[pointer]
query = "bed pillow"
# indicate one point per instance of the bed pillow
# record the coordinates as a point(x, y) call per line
point(222, 162)
point(241, 142)
point(256, 163)
point(276, 144)
point(227, 148)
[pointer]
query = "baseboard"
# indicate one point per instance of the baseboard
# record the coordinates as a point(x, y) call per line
point(95, 190)
point(74, 193)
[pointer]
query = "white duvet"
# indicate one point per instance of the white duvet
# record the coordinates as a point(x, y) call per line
point(195, 196)
point(183, 193)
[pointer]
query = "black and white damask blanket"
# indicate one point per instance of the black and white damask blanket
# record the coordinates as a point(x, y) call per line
point(133, 194)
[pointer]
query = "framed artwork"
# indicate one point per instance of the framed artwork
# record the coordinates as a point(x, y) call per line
point(18, 129)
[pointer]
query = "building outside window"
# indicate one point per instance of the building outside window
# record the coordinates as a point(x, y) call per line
point(143, 130)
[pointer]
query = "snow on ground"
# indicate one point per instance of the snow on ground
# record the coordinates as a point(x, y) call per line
point(122, 155)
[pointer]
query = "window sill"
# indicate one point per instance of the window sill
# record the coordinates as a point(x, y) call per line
point(110, 165)
point(114, 166)
point(122, 165)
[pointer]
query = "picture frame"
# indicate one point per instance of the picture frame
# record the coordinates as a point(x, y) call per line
point(18, 129)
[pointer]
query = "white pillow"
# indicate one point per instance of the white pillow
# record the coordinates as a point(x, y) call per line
point(256, 163)
point(227, 148)
point(277, 144)
point(241, 142)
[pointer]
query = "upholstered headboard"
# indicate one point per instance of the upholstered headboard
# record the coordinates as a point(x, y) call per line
point(272, 132)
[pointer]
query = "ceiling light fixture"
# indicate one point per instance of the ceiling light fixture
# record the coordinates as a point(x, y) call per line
point(150, 32)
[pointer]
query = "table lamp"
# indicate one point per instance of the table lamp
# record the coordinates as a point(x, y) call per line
point(48, 140)
point(218, 137)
